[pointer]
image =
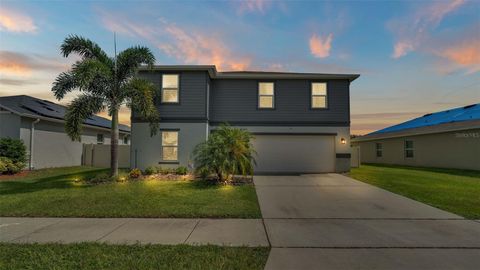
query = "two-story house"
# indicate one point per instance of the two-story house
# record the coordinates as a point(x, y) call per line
point(301, 121)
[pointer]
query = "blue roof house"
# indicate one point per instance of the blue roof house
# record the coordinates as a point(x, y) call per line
point(446, 139)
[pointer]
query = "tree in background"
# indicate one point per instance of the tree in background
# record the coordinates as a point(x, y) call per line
point(105, 83)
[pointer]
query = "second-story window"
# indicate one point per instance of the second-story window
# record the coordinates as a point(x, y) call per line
point(266, 95)
point(170, 89)
point(319, 95)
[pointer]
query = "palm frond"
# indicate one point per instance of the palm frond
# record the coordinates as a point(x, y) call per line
point(130, 59)
point(82, 107)
point(64, 83)
point(84, 47)
point(92, 76)
point(140, 94)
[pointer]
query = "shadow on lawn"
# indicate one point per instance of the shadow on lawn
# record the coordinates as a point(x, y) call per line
point(457, 172)
point(63, 181)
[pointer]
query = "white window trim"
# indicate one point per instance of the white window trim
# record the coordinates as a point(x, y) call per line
point(171, 146)
point(176, 89)
point(312, 95)
point(272, 95)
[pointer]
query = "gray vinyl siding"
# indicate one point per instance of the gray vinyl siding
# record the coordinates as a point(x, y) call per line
point(235, 101)
point(192, 99)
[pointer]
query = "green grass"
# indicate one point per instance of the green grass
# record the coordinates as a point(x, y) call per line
point(54, 193)
point(456, 191)
point(102, 256)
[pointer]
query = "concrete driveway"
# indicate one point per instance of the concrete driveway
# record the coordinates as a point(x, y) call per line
point(331, 221)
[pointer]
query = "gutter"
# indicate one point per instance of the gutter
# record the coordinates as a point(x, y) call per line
point(32, 131)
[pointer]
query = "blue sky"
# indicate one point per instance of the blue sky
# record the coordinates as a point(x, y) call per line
point(414, 57)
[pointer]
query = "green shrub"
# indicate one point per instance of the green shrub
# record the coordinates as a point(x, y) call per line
point(135, 173)
point(182, 170)
point(99, 178)
point(7, 166)
point(167, 170)
point(14, 149)
point(226, 152)
point(150, 170)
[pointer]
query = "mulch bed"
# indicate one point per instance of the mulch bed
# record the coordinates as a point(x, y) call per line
point(4, 177)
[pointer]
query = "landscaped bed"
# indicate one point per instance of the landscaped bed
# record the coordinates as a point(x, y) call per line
point(456, 191)
point(64, 192)
point(102, 256)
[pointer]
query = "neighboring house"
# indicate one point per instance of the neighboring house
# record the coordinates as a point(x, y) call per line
point(301, 121)
point(40, 124)
point(446, 139)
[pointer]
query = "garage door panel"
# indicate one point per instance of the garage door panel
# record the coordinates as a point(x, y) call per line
point(294, 153)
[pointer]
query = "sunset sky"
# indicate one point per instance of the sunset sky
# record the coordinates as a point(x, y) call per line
point(414, 57)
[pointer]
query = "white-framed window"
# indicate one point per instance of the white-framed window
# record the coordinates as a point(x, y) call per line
point(170, 88)
point(266, 95)
point(409, 151)
point(170, 145)
point(100, 138)
point(319, 95)
point(379, 149)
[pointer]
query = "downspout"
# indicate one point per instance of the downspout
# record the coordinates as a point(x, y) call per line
point(32, 131)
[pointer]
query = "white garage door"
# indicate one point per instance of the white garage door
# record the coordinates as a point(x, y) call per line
point(294, 153)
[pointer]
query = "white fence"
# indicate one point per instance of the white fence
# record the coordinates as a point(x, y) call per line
point(355, 158)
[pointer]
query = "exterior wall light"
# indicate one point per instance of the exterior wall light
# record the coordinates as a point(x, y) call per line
point(343, 141)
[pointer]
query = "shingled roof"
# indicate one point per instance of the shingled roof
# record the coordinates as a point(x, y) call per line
point(467, 117)
point(33, 107)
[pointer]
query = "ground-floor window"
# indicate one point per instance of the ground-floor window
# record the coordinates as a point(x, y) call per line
point(100, 139)
point(125, 140)
point(170, 145)
point(409, 149)
point(379, 149)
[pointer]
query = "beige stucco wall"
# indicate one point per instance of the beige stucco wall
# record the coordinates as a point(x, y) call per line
point(98, 155)
point(52, 146)
point(443, 150)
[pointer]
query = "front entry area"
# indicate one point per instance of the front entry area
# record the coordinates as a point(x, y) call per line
point(294, 153)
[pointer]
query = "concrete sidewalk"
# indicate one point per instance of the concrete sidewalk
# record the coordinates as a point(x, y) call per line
point(230, 232)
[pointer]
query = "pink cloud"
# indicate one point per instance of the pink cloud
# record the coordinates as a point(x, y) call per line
point(320, 47)
point(187, 46)
point(15, 63)
point(464, 54)
point(15, 21)
point(413, 30)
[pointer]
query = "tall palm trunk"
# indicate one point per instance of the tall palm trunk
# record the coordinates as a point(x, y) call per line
point(114, 144)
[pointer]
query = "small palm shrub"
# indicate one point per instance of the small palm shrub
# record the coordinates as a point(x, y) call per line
point(135, 173)
point(227, 151)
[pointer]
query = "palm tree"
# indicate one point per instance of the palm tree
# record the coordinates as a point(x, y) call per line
point(105, 83)
point(227, 151)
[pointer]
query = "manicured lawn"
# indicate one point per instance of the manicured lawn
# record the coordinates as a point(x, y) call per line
point(102, 256)
point(54, 192)
point(456, 191)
